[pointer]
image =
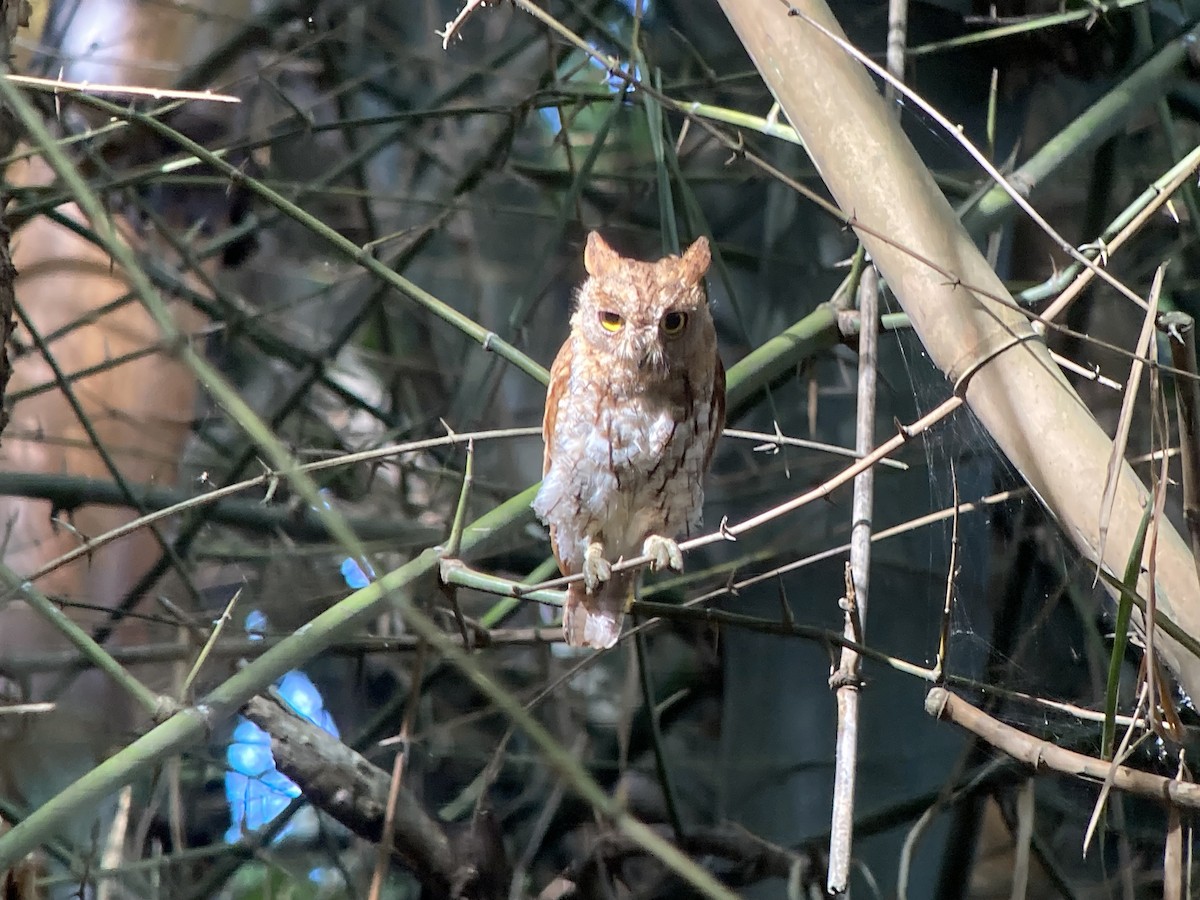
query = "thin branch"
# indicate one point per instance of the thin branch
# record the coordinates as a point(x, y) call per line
point(1070, 282)
point(770, 443)
point(120, 90)
point(250, 648)
point(1046, 755)
point(448, 33)
point(1025, 24)
point(943, 651)
point(226, 616)
point(393, 811)
point(846, 681)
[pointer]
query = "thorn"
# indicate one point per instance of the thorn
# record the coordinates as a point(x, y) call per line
point(724, 530)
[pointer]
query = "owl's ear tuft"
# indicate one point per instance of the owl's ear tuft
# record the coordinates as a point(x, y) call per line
point(598, 257)
point(696, 260)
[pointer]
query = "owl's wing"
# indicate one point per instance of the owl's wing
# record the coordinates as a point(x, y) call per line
point(560, 380)
point(718, 409)
point(556, 390)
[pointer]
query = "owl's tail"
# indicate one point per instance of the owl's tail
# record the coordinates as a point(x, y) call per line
point(594, 620)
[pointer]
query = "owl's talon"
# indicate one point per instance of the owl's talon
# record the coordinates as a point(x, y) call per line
point(663, 552)
point(596, 569)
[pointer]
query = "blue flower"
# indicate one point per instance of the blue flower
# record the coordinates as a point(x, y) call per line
point(256, 790)
point(353, 574)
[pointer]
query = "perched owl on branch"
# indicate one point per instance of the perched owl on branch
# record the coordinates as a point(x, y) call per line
point(635, 405)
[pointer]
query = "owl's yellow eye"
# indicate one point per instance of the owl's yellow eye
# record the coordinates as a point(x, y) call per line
point(611, 321)
point(674, 322)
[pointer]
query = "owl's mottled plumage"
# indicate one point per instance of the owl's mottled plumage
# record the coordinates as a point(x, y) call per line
point(635, 404)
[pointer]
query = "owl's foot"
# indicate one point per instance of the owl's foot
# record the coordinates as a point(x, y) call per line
point(596, 569)
point(663, 552)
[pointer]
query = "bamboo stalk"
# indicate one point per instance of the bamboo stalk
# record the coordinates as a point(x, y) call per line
point(987, 349)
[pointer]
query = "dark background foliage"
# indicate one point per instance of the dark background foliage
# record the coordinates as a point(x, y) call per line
point(475, 173)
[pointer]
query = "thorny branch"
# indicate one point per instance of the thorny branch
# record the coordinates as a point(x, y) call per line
point(1040, 754)
point(355, 792)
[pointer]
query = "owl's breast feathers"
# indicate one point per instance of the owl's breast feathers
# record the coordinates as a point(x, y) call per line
point(623, 464)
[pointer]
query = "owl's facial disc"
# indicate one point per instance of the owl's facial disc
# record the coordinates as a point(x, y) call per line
point(652, 341)
point(648, 350)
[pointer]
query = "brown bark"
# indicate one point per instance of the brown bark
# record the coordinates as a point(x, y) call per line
point(339, 781)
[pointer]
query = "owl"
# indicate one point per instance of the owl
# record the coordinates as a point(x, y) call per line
point(635, 404)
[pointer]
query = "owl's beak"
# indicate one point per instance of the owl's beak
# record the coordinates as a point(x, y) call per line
point(649, 353)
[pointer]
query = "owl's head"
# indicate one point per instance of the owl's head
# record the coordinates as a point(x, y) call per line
point(652, 315)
